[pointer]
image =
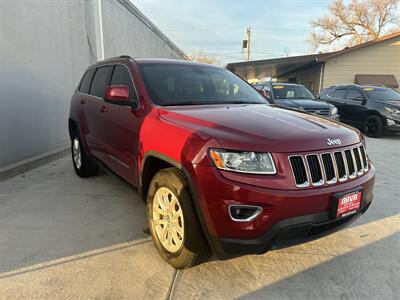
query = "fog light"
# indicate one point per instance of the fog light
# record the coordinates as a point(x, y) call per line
point(391, 122)
point(244, 213)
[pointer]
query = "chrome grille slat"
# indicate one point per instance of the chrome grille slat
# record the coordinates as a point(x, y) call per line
point(364, 158)
point(318, 112)
point(350, 164)
point(357, 158)
point(341, 167)
point(328, 168)
point(299, 170)
point(314, 168)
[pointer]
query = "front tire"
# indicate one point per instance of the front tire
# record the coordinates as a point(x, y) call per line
point(173, 222)
point(83, 166)
point(373, 126)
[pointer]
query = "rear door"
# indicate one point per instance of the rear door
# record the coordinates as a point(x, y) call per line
point(95, 105)
point(83, 101)
point(355, 108)
point(121, 125)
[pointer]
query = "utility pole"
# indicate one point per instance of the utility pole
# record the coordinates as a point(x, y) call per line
point(248, 42)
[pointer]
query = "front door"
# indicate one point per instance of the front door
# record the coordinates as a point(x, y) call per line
point(121, 129)
point(355, 109)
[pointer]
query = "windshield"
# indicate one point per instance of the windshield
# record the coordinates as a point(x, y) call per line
point(291, 92)
point(384, 94)
point(184, 84)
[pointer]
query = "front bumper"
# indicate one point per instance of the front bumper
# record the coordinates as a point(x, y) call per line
point(288, 217)
point(392, 125)
point(288, 232)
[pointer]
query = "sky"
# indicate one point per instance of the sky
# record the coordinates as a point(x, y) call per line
point(217, 27)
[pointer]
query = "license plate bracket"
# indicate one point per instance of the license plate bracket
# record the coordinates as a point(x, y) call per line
point(346, 203)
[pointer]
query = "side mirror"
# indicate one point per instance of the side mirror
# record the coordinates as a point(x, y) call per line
point(117, 94)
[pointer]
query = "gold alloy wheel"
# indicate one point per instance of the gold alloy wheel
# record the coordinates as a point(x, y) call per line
point(168, 219)
point(76, 153)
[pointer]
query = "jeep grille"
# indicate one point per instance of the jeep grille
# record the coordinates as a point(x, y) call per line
point(316, 169)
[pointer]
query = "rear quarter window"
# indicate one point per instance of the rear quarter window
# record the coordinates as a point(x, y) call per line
point(85, 82)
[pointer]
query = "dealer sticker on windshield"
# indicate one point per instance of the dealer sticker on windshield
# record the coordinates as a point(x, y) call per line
point(349, 204)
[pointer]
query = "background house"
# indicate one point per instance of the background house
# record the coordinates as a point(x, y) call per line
point(375, 62)
point(45, 46)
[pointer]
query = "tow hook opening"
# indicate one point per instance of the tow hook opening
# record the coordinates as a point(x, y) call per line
point(244, 213)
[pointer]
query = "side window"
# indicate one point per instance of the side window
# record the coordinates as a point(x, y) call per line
point(86, 80)
point(100, 81)
point(339, 93)
point(355, 94)
point(121, 76)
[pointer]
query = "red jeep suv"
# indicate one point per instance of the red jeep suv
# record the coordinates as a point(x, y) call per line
point(220, 169)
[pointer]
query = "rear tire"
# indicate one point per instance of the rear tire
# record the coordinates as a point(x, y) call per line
point(83, 166)
point(173, 222)
point(373, 126)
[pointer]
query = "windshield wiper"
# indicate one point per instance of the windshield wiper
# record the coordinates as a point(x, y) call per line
point(209, 103)
point(183, 103)
point(242, 102)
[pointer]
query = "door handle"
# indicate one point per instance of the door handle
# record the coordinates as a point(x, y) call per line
point(103, 109)
point(83, 101)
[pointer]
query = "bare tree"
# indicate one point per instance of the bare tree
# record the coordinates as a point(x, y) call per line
point(202, 57)
point(357, 22)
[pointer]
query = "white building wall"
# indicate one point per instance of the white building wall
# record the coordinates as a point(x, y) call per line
point(381, 58)
point(44, 48)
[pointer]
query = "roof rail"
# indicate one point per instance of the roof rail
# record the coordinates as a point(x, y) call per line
point(117, 57)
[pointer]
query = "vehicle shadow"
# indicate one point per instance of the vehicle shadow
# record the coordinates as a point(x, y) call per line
point(362, 273)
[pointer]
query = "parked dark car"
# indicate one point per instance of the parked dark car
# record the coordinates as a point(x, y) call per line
point(218, 167)
point(296, 96)
point(373, 109)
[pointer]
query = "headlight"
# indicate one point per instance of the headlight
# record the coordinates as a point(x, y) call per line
point(244, 162)
point(392, 110)
point(334, 111)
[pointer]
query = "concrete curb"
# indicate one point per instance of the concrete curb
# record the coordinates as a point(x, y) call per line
point(30, 163)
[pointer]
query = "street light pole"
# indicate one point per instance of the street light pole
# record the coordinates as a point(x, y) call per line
point(248, 43)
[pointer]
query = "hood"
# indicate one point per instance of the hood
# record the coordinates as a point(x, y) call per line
point(306, 104)
point(391, 103)
point(260, 127)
